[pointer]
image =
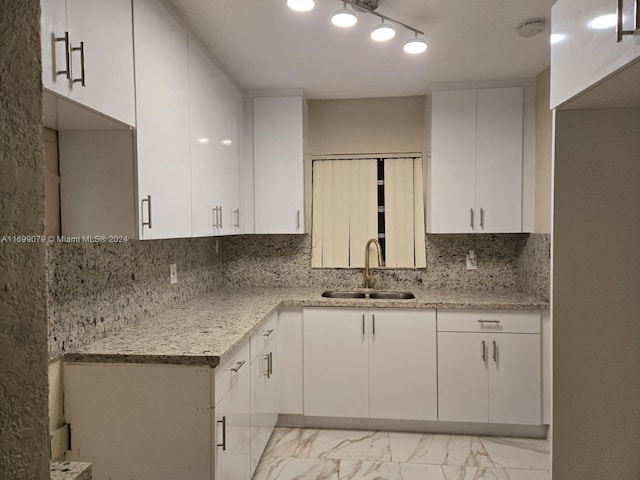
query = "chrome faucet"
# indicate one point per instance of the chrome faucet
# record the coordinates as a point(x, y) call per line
point(368, 279)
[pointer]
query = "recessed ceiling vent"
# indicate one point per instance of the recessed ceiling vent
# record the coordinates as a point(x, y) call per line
point(532, 27)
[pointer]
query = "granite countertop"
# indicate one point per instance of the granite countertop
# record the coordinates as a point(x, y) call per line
point(70, 471)
point(206, 330)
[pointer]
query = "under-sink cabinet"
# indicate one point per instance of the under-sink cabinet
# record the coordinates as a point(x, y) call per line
point(489, 366)
point(370, 363)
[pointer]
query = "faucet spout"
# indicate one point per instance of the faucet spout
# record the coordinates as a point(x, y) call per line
point(368, 278)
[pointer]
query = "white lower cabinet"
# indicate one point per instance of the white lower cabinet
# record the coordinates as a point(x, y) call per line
point(265, 395)
point(140, 421)
point(232, 431)
point(370, 363)
point(489, 367)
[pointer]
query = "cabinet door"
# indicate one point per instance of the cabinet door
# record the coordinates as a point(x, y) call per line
point(105, 28)
point(162, 102)
point(584, 50)
point(515, 379)
point(289, 361)
point(53, 22)
point(402, 365)
point(336, 364)
point(463, 394)
point(232, 432)
point(278, 164)
point(265, 394)
point(499, 160)
point(453, 162)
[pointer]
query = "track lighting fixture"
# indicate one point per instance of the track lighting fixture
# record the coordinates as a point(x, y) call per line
point(346, 17)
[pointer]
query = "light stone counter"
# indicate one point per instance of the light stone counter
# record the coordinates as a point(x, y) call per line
point(70, 471)
point(208, 329)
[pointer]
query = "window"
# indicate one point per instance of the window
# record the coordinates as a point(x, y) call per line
point(360, 198)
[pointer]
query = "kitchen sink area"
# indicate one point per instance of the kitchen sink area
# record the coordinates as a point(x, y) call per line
point(372, 294)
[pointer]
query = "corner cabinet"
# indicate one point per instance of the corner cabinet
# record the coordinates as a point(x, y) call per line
point(87, 54)
point(382, 363)
point(489, 367)
point(590, 42)
point(476, 161)
point(278, 159)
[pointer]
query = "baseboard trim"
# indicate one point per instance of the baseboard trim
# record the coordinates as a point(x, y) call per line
point(463, 428)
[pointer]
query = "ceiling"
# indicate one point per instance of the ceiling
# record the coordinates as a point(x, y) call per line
point(264, 44)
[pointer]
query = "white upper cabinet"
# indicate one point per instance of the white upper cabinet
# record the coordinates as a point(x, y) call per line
point(162, 102)
point(476, 161)
point(587, 46)
point(278, 155)
point(87, 54)
point(215, 105)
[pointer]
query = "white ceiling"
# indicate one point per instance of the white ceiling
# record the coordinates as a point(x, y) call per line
point(264, 44)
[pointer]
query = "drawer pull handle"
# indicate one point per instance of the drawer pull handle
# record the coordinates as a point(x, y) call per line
point(472, 222)
point(224, 433)
point(267, 332)
point(67, 53)
point(484, 351)
point(238, 366)
point(496, 322)
point(620, 31)
point(495, 352)
point(148, 222)
point(80, 49)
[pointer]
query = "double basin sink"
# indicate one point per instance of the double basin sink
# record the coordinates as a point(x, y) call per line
point(373, 294)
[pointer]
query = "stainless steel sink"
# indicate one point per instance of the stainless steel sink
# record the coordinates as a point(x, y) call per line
point(374, 294)
point(343, 294)
point(391, 295)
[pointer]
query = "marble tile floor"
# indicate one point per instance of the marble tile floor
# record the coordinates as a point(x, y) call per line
point(312, 454)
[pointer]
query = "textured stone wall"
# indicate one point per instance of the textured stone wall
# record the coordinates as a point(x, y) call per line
point(534, 264)
point(23, 324)
point(95, 290)
point(285, 261)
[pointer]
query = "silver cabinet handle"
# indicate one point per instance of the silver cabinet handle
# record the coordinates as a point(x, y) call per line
point(224, 433)
point(471, 223)
point(298, 220)
point(484, 351)
point(214, 210)
point(363, 323)
point(267, 332)
point(495, 352)
point(220, 225)
point(482, 322)
point(81, 50)
point(236, 212)
point(266, 371)
point(620, 32)
point(270, 364)
point(373, 324)
point(238, 366)
point(148, 222)
point(67, 54)
point(482, 218)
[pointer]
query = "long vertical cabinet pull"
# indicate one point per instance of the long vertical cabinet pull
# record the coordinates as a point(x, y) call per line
point(236, 212)
point(270, 364)
point(148, 222)
point(373, 324)
point(363, 324)
point(471, 223)
point(484, 351)
point(267, 372)
point(67, 54)
point(620, 32)
point(80, 49)
point(482, 218)
point(495, 352)
point(298, 220)
point(224, 433)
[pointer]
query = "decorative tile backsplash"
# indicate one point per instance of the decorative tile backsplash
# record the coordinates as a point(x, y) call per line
point(95, 290)
point(534, 264)
point(285, 261)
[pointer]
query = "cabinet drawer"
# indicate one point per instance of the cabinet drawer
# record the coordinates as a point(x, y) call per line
point(227, 373)
point(264, 335)
point(489, 321)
